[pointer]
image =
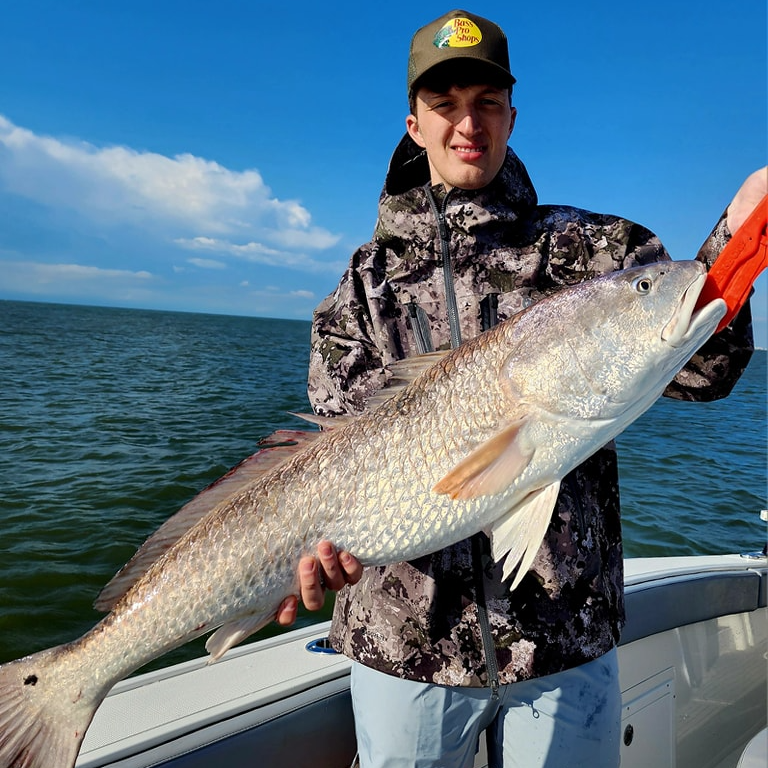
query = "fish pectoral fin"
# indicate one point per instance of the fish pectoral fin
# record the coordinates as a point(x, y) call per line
point(489, 469)
point(517, 535)
point(229, 635)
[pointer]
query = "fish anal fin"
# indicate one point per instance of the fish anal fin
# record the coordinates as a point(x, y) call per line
point(229, 635)
point(517, 536)
point(489, 469)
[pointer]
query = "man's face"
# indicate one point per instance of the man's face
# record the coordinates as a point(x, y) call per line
point(464, 131)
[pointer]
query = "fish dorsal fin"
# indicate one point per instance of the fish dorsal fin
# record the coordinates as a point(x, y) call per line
point(489, 469)
point(517, 535)
point(229, 635)
point(409, 368)
point(273, 451)
point(403, 373)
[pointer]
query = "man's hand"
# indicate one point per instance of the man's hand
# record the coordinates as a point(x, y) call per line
point(329, 570)
point(749, 195)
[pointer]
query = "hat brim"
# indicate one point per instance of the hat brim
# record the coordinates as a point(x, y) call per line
point(474, 72)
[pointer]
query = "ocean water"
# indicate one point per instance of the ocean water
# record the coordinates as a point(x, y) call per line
point(111, 419)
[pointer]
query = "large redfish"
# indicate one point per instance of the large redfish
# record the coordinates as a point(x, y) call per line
point(479, 440)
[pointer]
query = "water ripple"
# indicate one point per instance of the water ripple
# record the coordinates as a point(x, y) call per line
point(111, 419)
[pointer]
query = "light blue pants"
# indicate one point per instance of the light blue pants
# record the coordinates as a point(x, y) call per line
point(568, 720)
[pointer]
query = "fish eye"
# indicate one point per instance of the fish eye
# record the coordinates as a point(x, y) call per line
point(643, 284)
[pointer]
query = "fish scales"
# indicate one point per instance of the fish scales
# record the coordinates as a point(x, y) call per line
point(479, 441)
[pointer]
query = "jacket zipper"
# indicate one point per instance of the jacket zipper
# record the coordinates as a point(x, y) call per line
point(489, 648)
point(445, 252)
point(486, 637)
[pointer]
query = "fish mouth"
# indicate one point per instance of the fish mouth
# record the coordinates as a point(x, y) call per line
point(688, 321)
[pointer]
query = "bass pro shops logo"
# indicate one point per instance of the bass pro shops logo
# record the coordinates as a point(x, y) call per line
point(458, 33)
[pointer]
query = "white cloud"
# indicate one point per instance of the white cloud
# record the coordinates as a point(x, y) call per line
point(184, 196)
point(207, 263)
point(34, 278)
point(259, 253)
point(56, 273)
point(115, 225)
point(225, 246)
point(312, 238)
point(274, 292)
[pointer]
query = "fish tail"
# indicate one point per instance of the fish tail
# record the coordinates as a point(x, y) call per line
point(43, 712)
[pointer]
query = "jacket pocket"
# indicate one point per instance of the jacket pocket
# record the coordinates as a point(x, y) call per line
point(420, 328)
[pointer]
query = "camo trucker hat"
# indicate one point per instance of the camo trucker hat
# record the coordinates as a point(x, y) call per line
point(458, 35)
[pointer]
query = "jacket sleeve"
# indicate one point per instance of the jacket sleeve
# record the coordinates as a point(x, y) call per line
point(715, 368)
point(345, 364)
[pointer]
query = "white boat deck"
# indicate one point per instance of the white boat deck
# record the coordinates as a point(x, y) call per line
point(692, 665)
point(153, 709)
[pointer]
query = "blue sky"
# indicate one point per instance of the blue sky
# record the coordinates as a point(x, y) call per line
point(220, 157)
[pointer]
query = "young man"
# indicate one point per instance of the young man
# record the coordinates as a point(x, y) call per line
point(443, 650)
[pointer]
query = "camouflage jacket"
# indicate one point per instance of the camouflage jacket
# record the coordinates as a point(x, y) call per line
point(480, 257)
